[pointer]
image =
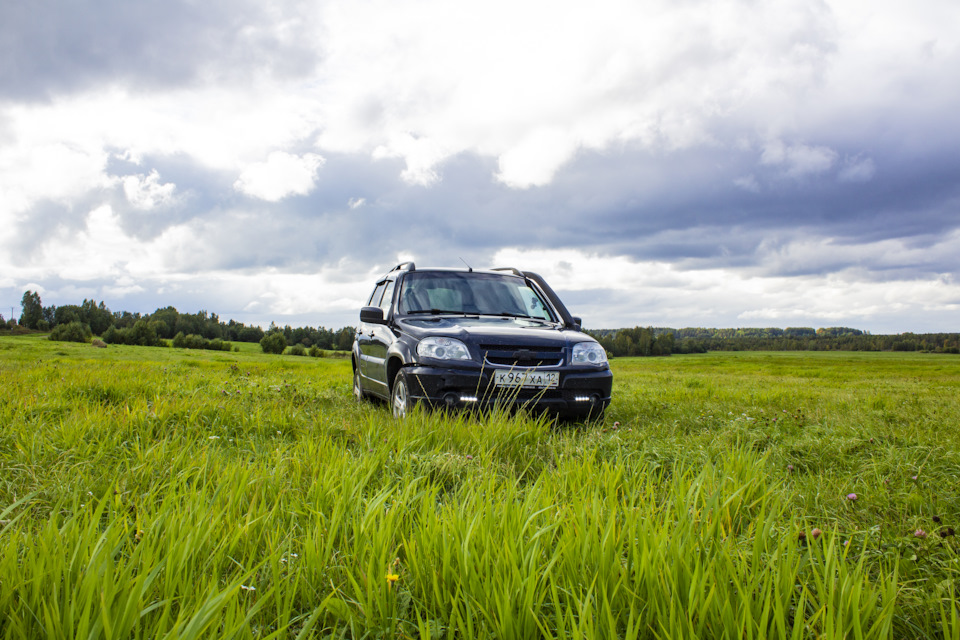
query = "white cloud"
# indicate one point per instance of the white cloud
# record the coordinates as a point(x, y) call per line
point(536, 158)
point(282, 175)
point(798, 160)
point(50, 170)
point(421, 155)
point(146, 192)
point(661, 294)
point(97, 251)
point(466, 80)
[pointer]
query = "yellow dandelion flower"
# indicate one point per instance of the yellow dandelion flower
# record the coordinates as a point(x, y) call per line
point(391, 578)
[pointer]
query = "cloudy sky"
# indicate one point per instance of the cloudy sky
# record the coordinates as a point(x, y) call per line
point(718, 163)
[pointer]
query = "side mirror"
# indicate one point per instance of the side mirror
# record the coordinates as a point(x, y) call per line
point(578, 322)
point(372, 315)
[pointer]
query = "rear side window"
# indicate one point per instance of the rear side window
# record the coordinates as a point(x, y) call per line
point(377, 294)
point(387, 298)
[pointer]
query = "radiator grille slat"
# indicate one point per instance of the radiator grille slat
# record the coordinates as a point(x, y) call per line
point(524, 356)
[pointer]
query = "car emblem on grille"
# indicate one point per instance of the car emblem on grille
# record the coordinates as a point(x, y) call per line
point(523, 354)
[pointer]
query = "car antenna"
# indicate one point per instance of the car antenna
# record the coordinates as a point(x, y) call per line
point(469, 268)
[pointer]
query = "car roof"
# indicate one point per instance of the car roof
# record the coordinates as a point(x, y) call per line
point(409, 267)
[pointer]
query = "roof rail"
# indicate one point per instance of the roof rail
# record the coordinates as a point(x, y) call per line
point(512, 270)
point(410, 266)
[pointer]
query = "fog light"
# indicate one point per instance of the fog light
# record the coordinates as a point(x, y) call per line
point(464, 398)
point(582, 398)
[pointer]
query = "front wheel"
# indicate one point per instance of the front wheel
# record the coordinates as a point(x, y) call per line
point(358, 393)
point(400, 400)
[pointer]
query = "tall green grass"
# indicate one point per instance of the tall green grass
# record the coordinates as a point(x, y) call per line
point(164, 493)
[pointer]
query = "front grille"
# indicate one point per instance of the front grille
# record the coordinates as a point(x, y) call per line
point(522, 356)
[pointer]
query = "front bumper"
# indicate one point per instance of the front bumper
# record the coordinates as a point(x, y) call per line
point(580, 394)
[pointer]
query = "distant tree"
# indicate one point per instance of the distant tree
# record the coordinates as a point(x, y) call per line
point(169, 317)
point(250, 334)
point(144, 334)
point(125, 319)
point(274, 342)
point(97, 316)
point(211, 327)
point(345, 339)
point(112, 335)
point(32, 310)
point(67, 313)
point(666, 343)
point(301, 335)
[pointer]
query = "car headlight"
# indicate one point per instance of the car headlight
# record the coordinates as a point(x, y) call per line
point(442, 349)
point(589, 353)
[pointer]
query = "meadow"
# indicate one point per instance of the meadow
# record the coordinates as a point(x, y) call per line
point(149, 493)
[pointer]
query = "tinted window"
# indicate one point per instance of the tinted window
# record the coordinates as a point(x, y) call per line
point(374, 300)
point(471, 293)
point(387, 298)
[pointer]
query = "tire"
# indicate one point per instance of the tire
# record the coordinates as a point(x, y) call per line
point(358, 393)
point(400, 402)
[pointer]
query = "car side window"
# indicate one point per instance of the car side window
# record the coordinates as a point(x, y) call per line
point(387, 298)
point(377, 294)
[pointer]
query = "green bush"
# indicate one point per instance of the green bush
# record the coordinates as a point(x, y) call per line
point(297, 350)
point(274, 342)
point(316, 352)
point(193, 341)
point(142, 333)
point(71, 332)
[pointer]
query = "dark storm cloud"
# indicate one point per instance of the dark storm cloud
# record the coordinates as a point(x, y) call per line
point(681, 208)
point(50, 46)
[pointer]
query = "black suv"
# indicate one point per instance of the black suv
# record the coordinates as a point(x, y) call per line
point(464, 338)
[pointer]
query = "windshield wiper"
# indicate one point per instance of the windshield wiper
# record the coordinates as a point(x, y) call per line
point(436, 312)
point(505, 314)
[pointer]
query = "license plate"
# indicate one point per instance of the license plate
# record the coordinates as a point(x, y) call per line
point(533, 379)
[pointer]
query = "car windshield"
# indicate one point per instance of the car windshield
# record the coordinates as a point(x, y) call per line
point(471, 294)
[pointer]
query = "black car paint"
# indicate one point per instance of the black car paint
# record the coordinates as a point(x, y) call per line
point(386, 342)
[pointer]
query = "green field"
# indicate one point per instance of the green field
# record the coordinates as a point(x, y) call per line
point(149, 492)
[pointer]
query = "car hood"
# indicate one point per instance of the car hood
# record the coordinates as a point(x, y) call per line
point(492, 330)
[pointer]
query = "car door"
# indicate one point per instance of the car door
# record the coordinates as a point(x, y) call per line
point(365, 332)
point(381, 337)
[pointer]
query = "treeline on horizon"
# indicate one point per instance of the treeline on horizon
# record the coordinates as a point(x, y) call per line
point(205, 330)
point(201, 330)
point(663, 341)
